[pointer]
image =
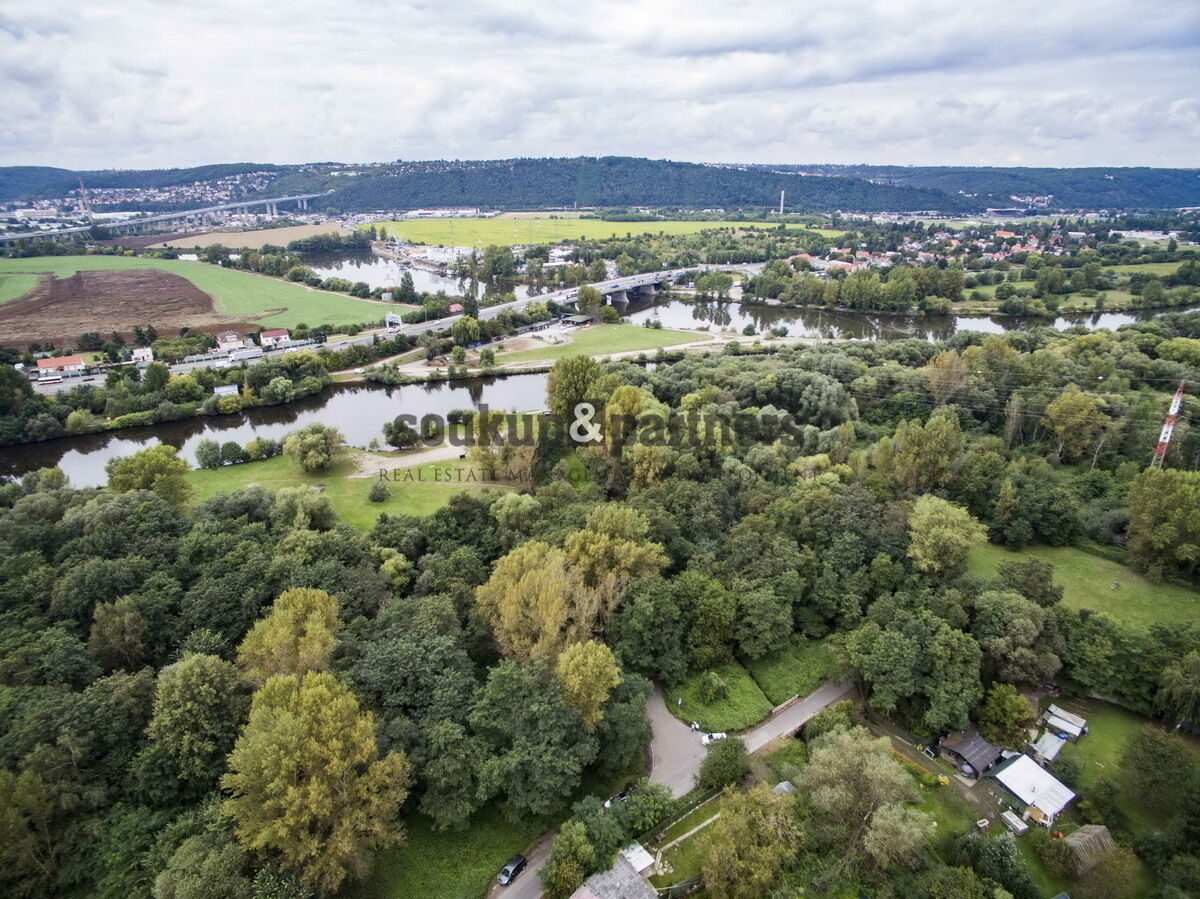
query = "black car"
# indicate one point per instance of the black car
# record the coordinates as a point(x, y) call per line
point(511, 869)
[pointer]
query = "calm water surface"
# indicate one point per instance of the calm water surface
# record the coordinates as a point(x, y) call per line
point(358, 411)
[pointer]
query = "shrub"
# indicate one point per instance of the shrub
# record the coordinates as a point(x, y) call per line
point(726, 763)
point(833, 718)
point(378, 492)
point(712, 687)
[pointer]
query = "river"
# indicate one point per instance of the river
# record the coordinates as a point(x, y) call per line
point(358, 411)
point(386, 273)
point(716, 317)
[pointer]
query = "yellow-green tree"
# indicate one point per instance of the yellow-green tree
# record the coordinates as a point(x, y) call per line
point(588, 673)
point(297, 636)
point(947, 373)
point(606, 554)
point(306, 784)
point(527, 601)
point(157, 469)
point(924, 454)
point(1077, 421)
point(747, 848)
point(942, 534)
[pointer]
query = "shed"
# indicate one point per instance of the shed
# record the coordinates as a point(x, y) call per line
point(578, 319)
point(1064, 722)
point(225, 390)
point(638, 857)
point(969, 748)
point(1043, 793)
point(1048, 746)
point(1015, 824)
point(1089, 844)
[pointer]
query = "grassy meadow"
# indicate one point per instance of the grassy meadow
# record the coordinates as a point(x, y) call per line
point(270, 302)
point(417, 490)
point(744, 705)
point(466, 232)
point(1086, 581)
point(601, 340)
point(251, 240)
point(16, 284)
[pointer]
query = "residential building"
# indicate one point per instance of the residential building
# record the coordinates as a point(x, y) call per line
point(970, 752)
point(54, 366)
point(229, 340)
point(273, 338)
point(143, 354)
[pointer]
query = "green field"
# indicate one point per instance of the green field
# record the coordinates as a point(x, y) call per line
point(347, 495)
point(1086, 581)
point(13, 285)
point(468, 232)
point(267, 301)
point(601, 340)
point(794, 671)
point(744, 706)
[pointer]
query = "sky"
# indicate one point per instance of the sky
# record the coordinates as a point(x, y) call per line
point(149, 84)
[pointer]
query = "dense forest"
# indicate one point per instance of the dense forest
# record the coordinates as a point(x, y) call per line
point(245, 697)
point(625, 181)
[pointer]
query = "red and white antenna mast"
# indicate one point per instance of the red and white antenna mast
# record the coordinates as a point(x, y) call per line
point(1164, 439)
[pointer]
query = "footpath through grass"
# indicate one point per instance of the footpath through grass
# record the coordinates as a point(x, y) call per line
point(418, 490)
point(601, 340)
point(1087, 580)
point(268, 301)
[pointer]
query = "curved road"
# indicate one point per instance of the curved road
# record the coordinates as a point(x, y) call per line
point(676, 754)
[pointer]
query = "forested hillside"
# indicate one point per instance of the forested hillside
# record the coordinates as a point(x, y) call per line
point(625, 181)
point(1090, 188)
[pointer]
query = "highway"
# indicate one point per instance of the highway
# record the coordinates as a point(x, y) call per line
point(365, 338)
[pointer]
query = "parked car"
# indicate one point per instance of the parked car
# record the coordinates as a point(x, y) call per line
point(511, 869)
point(709, 738)
point(360, 371)
point(620, 797)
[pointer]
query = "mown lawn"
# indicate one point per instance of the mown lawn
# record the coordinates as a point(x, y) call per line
point(466, 232)
point(744, 706)
point(417, 490)
point(1086, 581)
point(794, 671)
point(16, 284)
point(600, 340)
point(269, 301)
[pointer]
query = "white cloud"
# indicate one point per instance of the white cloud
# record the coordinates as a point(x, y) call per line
point(141, 83)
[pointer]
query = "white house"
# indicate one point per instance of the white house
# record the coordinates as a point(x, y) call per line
point(143, 354)
point(56, 366)
point(229, 340)
point(273, 338)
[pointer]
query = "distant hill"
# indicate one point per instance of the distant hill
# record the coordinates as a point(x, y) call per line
point(1090, 188)
point(629, 181)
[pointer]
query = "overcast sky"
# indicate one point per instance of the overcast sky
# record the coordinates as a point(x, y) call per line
point(147, 83)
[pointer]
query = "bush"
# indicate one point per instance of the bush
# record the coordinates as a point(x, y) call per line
point(712, 687)
point(832, 718)
point(378, 492)
point(725, 763)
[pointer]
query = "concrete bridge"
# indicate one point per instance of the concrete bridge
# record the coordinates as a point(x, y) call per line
point(208, 215)
point(616, 291)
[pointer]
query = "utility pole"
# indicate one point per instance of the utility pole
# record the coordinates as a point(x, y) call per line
point(1164, 439)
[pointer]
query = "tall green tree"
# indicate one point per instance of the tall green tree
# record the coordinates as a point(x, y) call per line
point(588, 673)
point(942, 534)
point(157, 469)
point(306, 783)
point(749, 845)
point(298, 636)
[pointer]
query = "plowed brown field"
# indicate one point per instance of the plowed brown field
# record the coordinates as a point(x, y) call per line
point(60, 309)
